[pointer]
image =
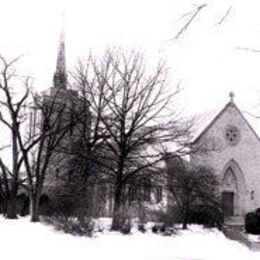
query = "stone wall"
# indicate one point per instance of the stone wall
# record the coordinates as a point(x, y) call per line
point(219, 153)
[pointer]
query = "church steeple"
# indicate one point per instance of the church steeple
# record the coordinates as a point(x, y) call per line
point(60, 75)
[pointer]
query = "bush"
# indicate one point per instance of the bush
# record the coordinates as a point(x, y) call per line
point(141, 228)
point(207, 216)
point(168, 219)
point(64, 206)
point(72, 225)
point(252, 222)
point(158, 228)
point(162, 228)
point(126, 228)
point(155, 229)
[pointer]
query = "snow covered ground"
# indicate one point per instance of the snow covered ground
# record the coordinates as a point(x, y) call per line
point(20, 239)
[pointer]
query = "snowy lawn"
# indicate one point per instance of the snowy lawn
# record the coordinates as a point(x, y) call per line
point(20, 239)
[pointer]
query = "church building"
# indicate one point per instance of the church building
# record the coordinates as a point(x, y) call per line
point(231, 147)
point(233, 152)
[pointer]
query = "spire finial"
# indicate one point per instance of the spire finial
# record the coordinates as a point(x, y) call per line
point(60, 76)
point(231, 96)
point(62, 33)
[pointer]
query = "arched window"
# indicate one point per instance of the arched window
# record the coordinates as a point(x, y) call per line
point(229, 180)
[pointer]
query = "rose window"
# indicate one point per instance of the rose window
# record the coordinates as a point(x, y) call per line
point(232, 135)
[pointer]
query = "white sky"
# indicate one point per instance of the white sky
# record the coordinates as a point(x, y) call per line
point(205, 58)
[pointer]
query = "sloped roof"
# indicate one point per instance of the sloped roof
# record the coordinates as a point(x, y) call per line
point(205, 120)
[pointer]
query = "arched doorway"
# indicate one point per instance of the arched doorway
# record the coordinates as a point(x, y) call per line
point(229, 194)
point(233, 190)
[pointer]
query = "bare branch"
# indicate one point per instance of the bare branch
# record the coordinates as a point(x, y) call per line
point(248, 49)
point(225, 16)
point(193, 16)
point(250, 114)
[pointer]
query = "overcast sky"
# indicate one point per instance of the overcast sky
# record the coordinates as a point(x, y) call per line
point(208, 58)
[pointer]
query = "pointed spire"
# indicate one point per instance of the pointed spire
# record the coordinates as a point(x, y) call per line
point(60, 75)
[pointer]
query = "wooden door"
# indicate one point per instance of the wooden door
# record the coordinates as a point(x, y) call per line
point(228, 203)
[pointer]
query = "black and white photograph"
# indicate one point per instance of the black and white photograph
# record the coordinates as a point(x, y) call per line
point(130, 129)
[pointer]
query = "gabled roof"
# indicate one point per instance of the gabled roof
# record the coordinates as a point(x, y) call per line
point(215, 118)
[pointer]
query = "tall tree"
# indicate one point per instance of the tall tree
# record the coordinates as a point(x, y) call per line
point(37, 126)
point(50, 136)
point(134, 117)
point(15, 91)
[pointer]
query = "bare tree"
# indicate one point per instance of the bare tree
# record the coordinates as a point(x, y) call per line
point(14, 94)
point(50, 136)
point(92, 90)
point(31, 149)
point(131, 112)
point(86, 163)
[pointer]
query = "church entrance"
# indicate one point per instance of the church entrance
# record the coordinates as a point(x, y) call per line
point(233, 190)
point(229, 195)
point(228, 203)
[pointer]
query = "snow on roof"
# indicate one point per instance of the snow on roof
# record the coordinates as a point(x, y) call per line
point(203, 120)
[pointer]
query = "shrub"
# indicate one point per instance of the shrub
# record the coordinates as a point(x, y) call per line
point(168, 219)
point(141, 228)
point(155, 229)
point(169, 231)
point(72, 225)
point(64, 206)
point(208, 216)
point(126, 228)
point(252, 222)
point(162, 228)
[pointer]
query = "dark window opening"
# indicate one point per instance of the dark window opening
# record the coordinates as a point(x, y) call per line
point(158, 194)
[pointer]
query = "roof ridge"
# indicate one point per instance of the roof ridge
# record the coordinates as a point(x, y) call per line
point(230, 103)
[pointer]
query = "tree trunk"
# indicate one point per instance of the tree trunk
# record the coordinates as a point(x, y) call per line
point(117, 220)
point(11, 209)
point(34, 208)
point(11, 206)
point(185, 218)
point(185, 222)
point(4, 206)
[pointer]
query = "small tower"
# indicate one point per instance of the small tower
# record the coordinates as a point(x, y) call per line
point(60, 75)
